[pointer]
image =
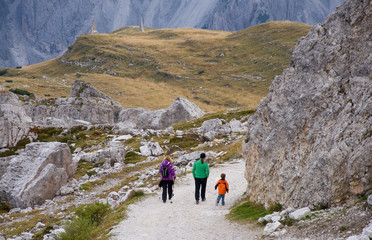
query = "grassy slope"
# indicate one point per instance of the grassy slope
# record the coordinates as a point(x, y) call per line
point(154, 67)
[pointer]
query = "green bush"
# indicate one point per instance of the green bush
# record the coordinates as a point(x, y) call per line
point(9, 81)
point(21, 92)
point(82, 227)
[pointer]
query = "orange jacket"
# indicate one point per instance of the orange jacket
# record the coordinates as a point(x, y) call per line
point(223, 186)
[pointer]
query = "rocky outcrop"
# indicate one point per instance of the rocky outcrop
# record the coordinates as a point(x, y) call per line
point(36, 174)
point(310, 140)
point(85, 106)
point(138, 118)
point(14, 123)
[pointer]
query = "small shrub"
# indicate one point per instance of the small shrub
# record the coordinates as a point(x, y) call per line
point(19, 67)
point(9, 81)
point(21, 92)
point(277, 207)
point(342, 228)
point(83, 226)
point(287, 222)
point(3, 71)
point(4, 207)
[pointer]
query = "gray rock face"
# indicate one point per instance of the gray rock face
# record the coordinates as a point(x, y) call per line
point(14, 123)
point(86, 105)
point(36, 174)
point(310, 141)
point(37, 30)
point(138, 118)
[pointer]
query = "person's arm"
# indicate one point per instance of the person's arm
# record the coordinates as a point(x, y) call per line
point(227, 187)
point(173, 172)
point(193, 169)
point(207, 170)
point(216, 186)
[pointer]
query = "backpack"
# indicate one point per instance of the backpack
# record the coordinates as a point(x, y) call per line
point(164, 171)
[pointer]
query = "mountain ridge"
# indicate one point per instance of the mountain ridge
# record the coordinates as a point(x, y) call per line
point(41, 30)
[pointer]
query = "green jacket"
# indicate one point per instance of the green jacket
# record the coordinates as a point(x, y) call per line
point(200, 170)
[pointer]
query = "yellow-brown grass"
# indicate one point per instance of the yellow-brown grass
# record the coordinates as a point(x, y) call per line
point(214, 69)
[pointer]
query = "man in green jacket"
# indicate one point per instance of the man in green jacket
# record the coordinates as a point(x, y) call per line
point(200, 171)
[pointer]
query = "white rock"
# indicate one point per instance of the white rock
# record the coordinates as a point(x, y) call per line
point(114, 195)
point(367, 231)
point(300, 213)
point(369, 200)
point(40, 225)
point(271, 227)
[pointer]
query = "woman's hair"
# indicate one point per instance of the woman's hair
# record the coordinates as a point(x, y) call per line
point(168, 158)
point(202, 156)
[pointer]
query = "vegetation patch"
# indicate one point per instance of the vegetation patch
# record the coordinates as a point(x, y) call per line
point(21, 92)
point(132, 157)
point(247, 212)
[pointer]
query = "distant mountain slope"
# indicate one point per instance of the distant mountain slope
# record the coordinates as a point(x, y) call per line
point(214, 69)
point(37, 30)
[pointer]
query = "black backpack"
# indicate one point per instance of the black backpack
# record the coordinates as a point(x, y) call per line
point(164, 171)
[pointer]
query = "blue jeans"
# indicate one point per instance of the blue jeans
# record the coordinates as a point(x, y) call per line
point(221, 196)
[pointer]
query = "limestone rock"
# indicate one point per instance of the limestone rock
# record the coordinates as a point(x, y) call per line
point(271, 227)
point(151, 149)
point(369, 200)
point(181, 110)
point(14, 122)
point(112, 154)
point(300, 213)
point(85, 106)
point(36, 174)
point(309, 142)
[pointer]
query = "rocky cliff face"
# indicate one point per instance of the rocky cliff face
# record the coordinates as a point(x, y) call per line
point(310, 141)
point(14, 122)
point(37, 30)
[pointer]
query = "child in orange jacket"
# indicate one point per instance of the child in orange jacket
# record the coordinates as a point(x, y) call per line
point(223, 187)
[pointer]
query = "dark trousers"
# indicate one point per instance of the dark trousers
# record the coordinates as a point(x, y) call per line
point(167, 184)
point(203, 183)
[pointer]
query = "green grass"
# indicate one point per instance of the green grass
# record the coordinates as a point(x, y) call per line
point(247, 212)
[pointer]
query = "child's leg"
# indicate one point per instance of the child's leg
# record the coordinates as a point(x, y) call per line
point(223, 199)
point(218, 198)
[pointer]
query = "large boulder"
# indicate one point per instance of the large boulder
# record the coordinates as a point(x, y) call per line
point(309, 142)
point(36, 174)
point(14, 123)
point(138, 118)
point(85, 106)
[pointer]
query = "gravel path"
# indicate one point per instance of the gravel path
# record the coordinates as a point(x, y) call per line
point(183, 219)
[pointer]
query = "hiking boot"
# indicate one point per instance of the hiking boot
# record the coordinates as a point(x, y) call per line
point(197, 201)
point(216, 203)
point(203, 200)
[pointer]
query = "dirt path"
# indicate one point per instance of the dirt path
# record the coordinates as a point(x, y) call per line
point(183, 219)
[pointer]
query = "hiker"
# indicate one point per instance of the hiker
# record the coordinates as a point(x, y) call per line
point(168, 176)
point(223, 187)
point(200, 172)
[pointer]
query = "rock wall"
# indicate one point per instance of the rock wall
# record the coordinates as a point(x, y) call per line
point(86, 105)
point(137, 118)
point(36, 174)
point(14, 122)
point(310, 140)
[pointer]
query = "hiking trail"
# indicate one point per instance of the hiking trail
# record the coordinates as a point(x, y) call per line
point(183, 219)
